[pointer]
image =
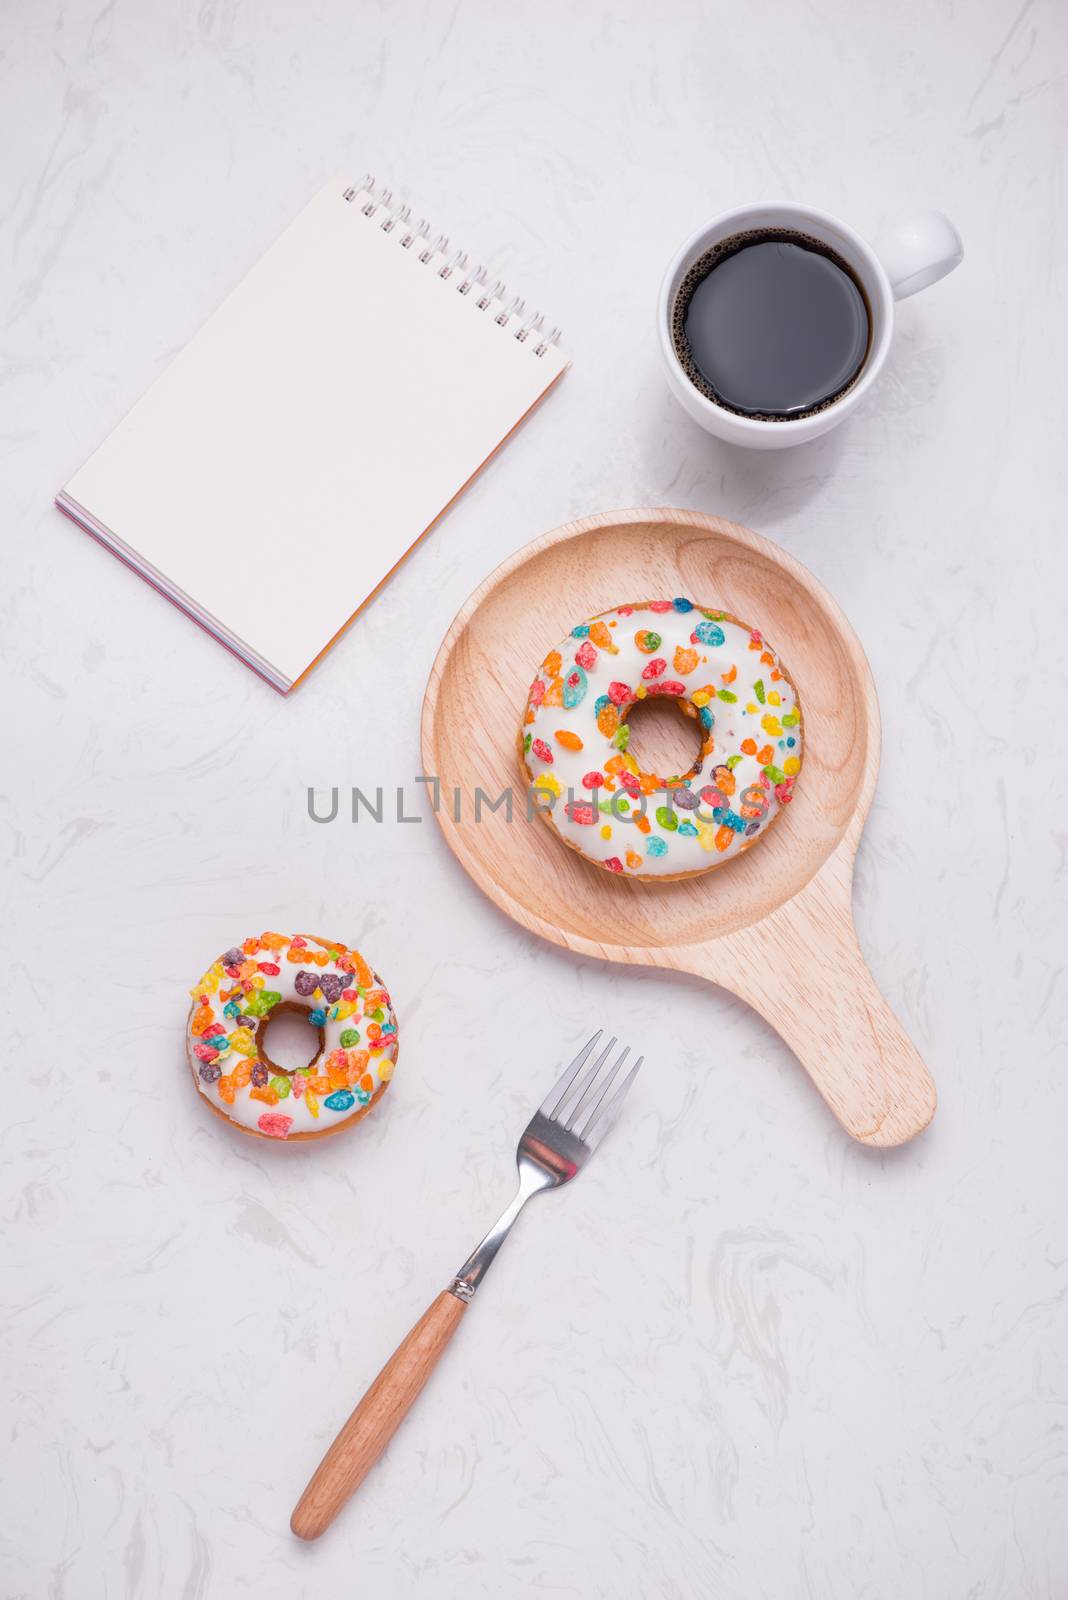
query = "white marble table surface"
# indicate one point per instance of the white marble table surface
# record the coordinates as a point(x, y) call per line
point(746, 1357)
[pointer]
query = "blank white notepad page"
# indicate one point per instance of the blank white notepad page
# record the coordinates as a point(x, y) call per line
point(310, 432)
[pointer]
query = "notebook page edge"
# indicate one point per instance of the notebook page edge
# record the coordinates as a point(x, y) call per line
point(346, 625)
point(157, 580)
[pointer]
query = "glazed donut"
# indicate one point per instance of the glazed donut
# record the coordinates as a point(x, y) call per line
point(343, 1000)
point(574, 738)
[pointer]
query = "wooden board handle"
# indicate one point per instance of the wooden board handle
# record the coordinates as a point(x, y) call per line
point(802, 968)
point(377, 1417)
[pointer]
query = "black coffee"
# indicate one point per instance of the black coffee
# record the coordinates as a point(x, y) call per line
point(771, 324)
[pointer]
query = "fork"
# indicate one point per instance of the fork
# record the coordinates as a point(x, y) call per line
point(556, 1144)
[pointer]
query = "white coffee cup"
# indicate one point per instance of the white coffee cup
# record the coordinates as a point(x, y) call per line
point(909, 257)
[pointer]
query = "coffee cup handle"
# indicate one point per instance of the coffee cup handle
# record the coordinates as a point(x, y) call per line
point(919, 251)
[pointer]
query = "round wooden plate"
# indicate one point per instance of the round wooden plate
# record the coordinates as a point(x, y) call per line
point(774, 926)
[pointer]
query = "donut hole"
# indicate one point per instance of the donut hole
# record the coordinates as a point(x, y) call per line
point(663, 739)
point(287, 1040)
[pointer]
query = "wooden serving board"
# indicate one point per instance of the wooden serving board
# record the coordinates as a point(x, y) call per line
point(775, 926)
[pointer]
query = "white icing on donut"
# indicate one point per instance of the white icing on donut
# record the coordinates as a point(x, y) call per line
point(344, 1001)
point(574, 738)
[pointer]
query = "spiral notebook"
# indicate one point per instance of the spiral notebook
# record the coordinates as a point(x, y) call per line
point(320, 422)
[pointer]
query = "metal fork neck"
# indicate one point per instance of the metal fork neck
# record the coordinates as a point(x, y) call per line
point(476, 1266)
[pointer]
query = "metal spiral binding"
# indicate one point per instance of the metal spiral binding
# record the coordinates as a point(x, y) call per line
point(454, 268)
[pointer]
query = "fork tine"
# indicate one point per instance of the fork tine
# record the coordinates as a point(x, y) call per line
point(567, 1078)
point(566, 1105)
point(596, 1089)
point(603, 1115)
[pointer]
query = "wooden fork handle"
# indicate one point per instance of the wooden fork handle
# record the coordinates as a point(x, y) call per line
point(377, 1417)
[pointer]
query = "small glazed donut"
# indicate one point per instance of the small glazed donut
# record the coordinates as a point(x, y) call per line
point(574, 738)
point(343, 1000)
